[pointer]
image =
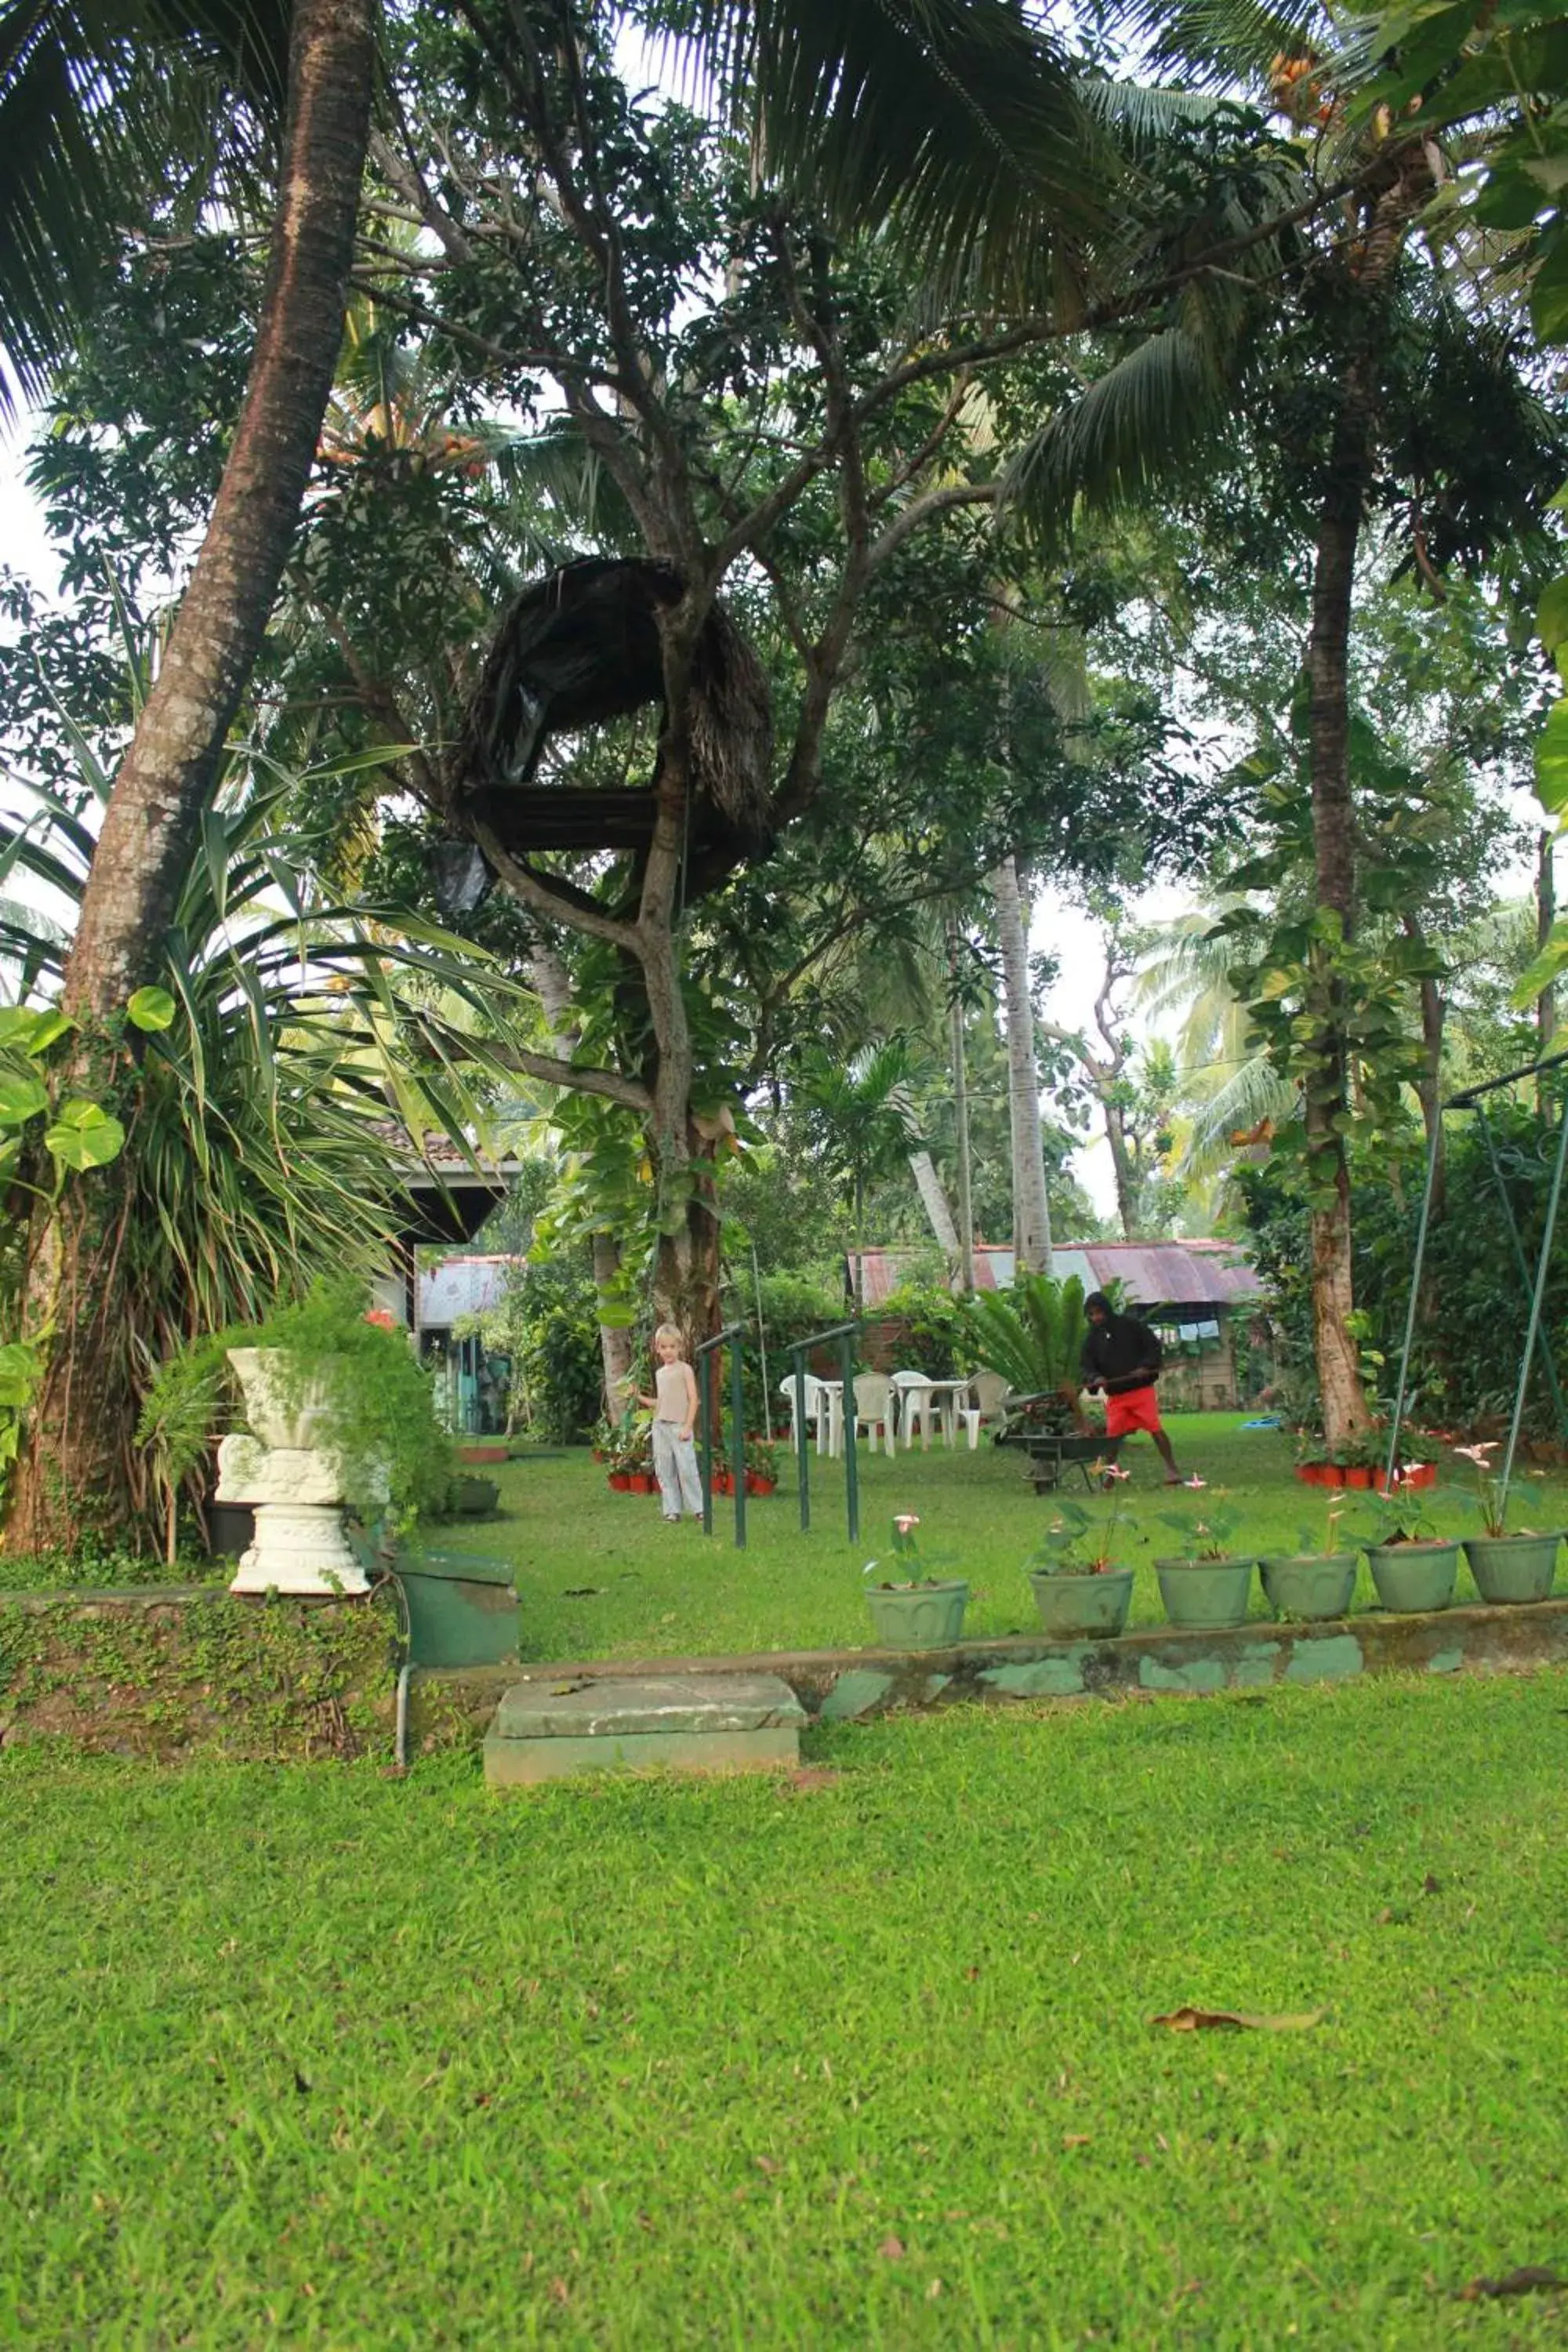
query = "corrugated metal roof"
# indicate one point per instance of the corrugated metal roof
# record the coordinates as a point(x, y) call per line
point(1152, 1274)
point(461, 1286)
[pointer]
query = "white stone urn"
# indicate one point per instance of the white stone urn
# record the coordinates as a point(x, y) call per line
point(294, 1486)
point(293, 1426)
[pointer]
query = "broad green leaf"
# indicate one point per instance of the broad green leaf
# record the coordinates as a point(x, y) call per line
point(18, 1372)
point(1551, 761)
point(150, 1009)
point(21, 1099)
point(1548, 291)
point(84, 1135)
point(1552, 614)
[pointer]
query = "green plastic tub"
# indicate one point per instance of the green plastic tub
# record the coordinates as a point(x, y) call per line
point(462, 1608)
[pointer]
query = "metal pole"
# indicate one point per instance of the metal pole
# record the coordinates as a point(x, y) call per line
point(732, 1332)
point(763, 1348)
point(1547, 1365)
point(705, 1407)
point(738, 1433)
point(802, 1450)
point(851, 1475)
point(1410, 1310)
point(1541, 1274)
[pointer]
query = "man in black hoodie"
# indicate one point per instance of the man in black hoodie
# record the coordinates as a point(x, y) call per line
point(1121, 1360)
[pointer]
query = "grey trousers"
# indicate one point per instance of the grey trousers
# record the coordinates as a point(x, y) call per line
point(675, 1468)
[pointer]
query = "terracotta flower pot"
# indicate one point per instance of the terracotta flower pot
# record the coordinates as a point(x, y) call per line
point(757, 1485)
point(1360, 1475)
point(643, 1482)
point(620, 1482)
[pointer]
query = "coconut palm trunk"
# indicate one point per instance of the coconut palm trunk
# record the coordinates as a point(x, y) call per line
point(1333, 835)
point(76, 1465)
point(1031, 1209)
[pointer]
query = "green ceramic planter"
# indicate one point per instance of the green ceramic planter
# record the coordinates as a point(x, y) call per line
point(1206, 1595)
point(1078, 1608)
point(1414, 1577)
point(929, 1617)
point(462, 1610)
point(1309, 1585)
point(1508, 1569)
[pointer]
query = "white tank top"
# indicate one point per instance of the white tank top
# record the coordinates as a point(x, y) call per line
point(669, 1387)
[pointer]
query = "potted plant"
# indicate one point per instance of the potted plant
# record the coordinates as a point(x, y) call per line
point(1315, 1464)
point(1314, 1580)
point(1413, 1568)
point(912, 1609)
point(1080, 1590)
point(1206, 1586)
point(762, 1466)
point(1508, 1569)
point(318, 1374)
point(1416, 1466)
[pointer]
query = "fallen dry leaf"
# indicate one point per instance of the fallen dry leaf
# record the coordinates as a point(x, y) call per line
point(768, 2164)
point(1076, 2139)
point(933, 2290)
point(814, 1776)
point(1232, 2021)
point(1531, 2279)
point(891, 2249)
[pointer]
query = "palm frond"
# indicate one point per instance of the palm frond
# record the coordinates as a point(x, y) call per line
point(99, 99)
point(960, 118)
point(1136, 427)
point(1223, 42)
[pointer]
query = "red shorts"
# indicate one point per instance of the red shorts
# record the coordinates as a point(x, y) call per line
point(1134, 1409)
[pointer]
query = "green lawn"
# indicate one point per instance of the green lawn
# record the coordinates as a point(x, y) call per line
point(318, 2058)
point(601, 1576)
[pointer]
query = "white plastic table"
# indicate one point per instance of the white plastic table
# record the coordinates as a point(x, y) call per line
point(948, 1399)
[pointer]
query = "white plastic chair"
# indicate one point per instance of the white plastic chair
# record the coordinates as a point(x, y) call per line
point(913, 1392)
point(818, 1409)
point(874, 1408)
point(987, 1390)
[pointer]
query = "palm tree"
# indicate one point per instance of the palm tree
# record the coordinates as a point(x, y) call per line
point(1226, 350)
point(958, 118)
point(1031, 1208)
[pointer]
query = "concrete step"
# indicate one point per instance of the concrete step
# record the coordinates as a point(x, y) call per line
point(694, 1723)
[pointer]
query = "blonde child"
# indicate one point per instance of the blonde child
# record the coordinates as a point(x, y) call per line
point(674, 1405)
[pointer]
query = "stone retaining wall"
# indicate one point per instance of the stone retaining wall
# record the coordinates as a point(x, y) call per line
point(177, 1671)
point(188, 1670)
point(839, 1686)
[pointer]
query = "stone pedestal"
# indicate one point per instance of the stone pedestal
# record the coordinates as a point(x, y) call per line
point(296, 1494)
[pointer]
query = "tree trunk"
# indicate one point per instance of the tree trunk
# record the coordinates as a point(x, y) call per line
point(614, 1339)
point(548, 971)
point(965, 1182)
point(1122, 1168)
point(1031, 1210)
point(79, 1438)
point(1345, 1413)
point(934, 1201)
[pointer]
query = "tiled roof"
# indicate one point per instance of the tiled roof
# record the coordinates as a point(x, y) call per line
point(1152, 1274)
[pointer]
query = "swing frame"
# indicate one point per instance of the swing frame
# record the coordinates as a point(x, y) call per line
point(1473, 1099)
